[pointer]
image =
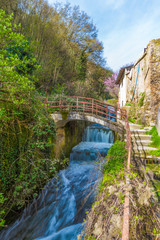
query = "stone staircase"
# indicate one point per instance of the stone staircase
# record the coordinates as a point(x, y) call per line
point(140, 144)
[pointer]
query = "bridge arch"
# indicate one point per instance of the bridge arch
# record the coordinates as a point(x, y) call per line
point(61, 121)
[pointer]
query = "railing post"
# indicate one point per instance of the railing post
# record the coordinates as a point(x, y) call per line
point(96, 108)
point(60, 101)
point(125, 229)
point(83, 107)
point(77, 104)
point(47, 101)
point(92, 105)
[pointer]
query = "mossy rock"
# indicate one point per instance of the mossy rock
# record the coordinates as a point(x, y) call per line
point(64, 114)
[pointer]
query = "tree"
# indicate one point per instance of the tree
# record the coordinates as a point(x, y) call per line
point(26, 130)
point(111, 87)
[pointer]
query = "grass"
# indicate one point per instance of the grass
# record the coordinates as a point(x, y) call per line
point(116, 157)
point(155, 142)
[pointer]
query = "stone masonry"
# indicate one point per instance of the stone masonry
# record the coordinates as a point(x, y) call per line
point(148, 83)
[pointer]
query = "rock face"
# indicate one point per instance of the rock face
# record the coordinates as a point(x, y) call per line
point(143, 82)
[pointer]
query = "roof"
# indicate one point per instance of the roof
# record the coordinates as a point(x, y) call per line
point(121, 73)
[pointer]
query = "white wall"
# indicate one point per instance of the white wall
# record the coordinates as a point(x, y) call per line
point(123, 90)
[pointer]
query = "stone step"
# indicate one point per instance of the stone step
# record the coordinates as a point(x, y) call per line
point(143, 149)
point(147, 157)
point(139, 137)
point(138, 132)
point(135, 126)
point(140, 142)
point(132, 125)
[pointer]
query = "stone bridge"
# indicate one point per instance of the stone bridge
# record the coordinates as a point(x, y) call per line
point(66, 109)
point(61, 120)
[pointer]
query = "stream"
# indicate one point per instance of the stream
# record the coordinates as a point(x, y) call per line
point(59, 211)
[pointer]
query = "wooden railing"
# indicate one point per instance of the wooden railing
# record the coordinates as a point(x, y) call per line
point(86, 105)
point(106, 111)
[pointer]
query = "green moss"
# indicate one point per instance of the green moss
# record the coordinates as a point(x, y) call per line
point(116, 136)
point(64, 114)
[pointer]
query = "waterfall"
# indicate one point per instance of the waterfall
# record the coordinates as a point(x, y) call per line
point(95, 143)
point(59, 211)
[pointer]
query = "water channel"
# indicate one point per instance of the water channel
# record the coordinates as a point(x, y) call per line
point(59, 211)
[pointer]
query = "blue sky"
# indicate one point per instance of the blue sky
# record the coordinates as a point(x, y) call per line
point(124, 26)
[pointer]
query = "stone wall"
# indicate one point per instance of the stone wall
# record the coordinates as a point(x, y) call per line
point(155, 77)
point(67, 137)
point(148, 82)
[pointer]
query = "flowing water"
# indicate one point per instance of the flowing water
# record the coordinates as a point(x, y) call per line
point(59, 211)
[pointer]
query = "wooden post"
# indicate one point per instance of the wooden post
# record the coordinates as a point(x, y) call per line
point(92, 105)
point(60, 102)
point(47, 101)
point(77, 104)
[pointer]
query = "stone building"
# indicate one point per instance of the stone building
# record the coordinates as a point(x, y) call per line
point(141, 82)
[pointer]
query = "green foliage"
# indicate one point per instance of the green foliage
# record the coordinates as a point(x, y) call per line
point(2, 211)
point(132, 120)
point(115, 158)
point(82, 66)
point(27, 131)
point(89, 237)
point(115, 162)
point(112, 101)
point(141, 100)
point(155, 153)
point(135, 115)
point(157, 188)
point(65, 45)
point(155, 137)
